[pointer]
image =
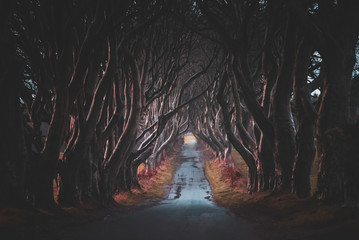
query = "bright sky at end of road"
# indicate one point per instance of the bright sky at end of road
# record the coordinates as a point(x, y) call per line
point(190, 139)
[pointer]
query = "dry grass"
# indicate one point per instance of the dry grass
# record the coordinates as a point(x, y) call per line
point(283, 209)
point(222, 189)
point(152, 184)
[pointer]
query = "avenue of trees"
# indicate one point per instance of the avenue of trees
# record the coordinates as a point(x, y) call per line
point(92, 89)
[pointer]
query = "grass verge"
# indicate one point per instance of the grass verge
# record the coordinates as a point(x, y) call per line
point(280, 212)
point(152, 184)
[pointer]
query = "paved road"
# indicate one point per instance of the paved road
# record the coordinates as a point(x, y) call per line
point(187, 213)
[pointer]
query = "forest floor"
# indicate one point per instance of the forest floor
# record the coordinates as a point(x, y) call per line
point(278, 215)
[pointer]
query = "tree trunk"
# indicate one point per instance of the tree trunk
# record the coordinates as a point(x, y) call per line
point(237, 144)
point(306, 116)
point(76, 158)
point(49, 156)
point(136, 163)
point(265, 165)
point(116, 163)
point(284, 142)
point(333, 113)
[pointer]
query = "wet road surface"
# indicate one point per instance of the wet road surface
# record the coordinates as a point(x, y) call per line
point(187, 213)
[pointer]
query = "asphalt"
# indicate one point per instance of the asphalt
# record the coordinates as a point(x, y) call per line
point(188, 212)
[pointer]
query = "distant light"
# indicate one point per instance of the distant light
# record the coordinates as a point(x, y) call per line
point(190, 139)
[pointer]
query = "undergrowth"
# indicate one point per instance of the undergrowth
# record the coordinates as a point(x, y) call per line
point(152, 183)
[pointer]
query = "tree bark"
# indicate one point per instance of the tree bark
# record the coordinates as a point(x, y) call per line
point(284, 142)
point(266, 171)
point(265, 165)
point(333, 113)
point(117, 166)
point(237, 144)
point(305, 115)
point(49, 156)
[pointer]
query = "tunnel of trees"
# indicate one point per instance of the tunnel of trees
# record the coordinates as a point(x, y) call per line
point(92, 89)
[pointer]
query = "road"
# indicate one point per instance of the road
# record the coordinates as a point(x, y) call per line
point(187, 213)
